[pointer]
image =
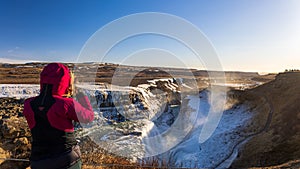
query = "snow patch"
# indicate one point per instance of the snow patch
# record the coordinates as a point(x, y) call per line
point(19, 90)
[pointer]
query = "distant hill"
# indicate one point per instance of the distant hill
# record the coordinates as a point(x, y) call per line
point(15, 61)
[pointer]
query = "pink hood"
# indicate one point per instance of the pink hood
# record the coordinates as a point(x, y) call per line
point(58, 75)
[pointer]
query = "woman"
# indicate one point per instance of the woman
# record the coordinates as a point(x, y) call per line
point(50, 118)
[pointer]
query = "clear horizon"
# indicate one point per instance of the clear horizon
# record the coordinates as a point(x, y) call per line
point(249, 35)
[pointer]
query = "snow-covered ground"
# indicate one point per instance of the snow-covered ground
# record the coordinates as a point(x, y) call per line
point(19, 90)
point(155, 130)
point(191, 153)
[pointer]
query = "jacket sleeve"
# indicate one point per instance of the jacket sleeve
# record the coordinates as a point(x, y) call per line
point(81, 111)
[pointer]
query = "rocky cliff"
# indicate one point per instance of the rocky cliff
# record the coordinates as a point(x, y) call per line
point(279, 143)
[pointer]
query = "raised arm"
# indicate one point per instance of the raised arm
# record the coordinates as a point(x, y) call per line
point(82, 110)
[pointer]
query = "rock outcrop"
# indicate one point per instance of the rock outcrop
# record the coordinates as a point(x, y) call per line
point(14, 134)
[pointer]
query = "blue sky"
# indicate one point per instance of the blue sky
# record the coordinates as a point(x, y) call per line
point(248, 35)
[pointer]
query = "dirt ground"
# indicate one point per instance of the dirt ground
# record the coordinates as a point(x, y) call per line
point(103, 73)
